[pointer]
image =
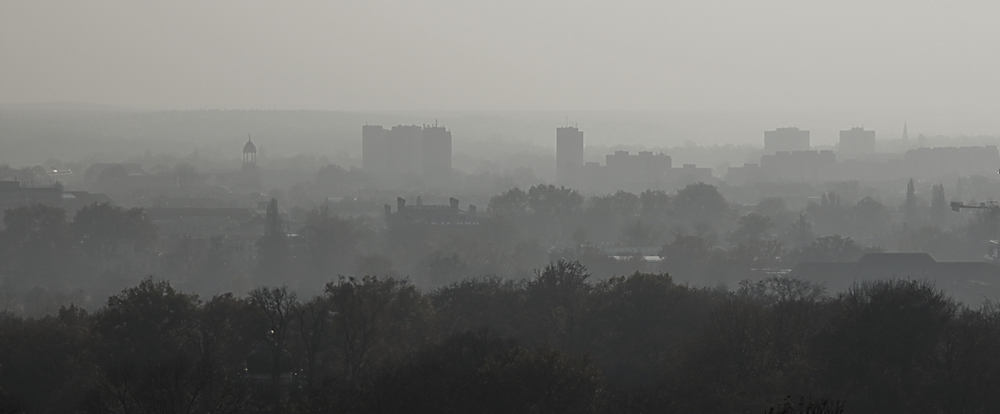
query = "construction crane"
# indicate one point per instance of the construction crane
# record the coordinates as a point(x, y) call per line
point(989, 205)
point(993, 246)
point(994, 207)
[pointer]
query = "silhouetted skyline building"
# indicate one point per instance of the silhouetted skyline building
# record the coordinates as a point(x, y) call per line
point(786, 139)
point(822, 166)
point(952, 161)
point(15, 194)
point(800, 166)
point(569, 155)
point(406, 150)
point(639, 172)
point(644, 168)
point(374, 139)
point(856, 142)
point(421, 214)
point(436, 152)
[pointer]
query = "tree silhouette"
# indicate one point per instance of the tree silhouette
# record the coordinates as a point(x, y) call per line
point(273, 245)
point(882, 334)
point(871, 217)
point(939, 205)
point(752, 227)
point(100, 226)
point(554, 298)
point(152, 361)
point(35, 243)
point(639, 235)
point(700, 204)
point(482, 372)
point(370, 312)
point(910, 205)
point(512, 204)
point(278, 306)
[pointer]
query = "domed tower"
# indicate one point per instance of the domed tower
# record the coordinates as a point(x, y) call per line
point(249, 154)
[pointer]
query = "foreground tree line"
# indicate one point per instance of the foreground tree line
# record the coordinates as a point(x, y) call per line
point(556, 342)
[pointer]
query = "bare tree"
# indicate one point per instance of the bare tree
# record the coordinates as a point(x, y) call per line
point(278, 306)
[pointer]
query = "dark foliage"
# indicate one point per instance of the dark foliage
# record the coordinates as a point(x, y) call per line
point(555, 343)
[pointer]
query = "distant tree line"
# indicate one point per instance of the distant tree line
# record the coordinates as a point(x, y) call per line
point(700, 238)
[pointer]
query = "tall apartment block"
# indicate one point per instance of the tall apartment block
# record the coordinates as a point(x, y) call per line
point(856, 142)
point(569, 156)
point(406, 150)
point(374, 140)
point(435, 152)
point(786, 139)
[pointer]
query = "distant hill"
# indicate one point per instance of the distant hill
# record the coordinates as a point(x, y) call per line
point(61, 107)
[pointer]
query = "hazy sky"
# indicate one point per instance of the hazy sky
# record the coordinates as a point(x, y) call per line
point(511, 54)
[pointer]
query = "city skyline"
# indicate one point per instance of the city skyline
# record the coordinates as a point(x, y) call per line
point(387, 206)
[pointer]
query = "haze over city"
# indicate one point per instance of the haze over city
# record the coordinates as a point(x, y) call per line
point(504, 207)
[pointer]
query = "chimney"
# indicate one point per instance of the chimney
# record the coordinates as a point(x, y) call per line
point(400, 204)
point(454, 203)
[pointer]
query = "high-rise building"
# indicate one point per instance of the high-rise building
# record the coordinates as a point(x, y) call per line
point(856, 142)
point(374, 139)
point(569, 156)
point(786, 139)
point(436, 152)
point(406, 150)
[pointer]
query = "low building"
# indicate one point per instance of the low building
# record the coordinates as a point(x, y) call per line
point(786, 139)
point(952, 161)
point(640, 172)
point(430, 215)
point(238, 228)
point(205, 222)
point(690, 174)
point(749, 173)
point(800, 166)
point(14, 194)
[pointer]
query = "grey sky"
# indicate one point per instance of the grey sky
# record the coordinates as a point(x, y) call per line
point(514, 54)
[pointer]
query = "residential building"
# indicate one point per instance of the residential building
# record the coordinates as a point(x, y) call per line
point(406, 150)
point(569, 156)
point(856, 143)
